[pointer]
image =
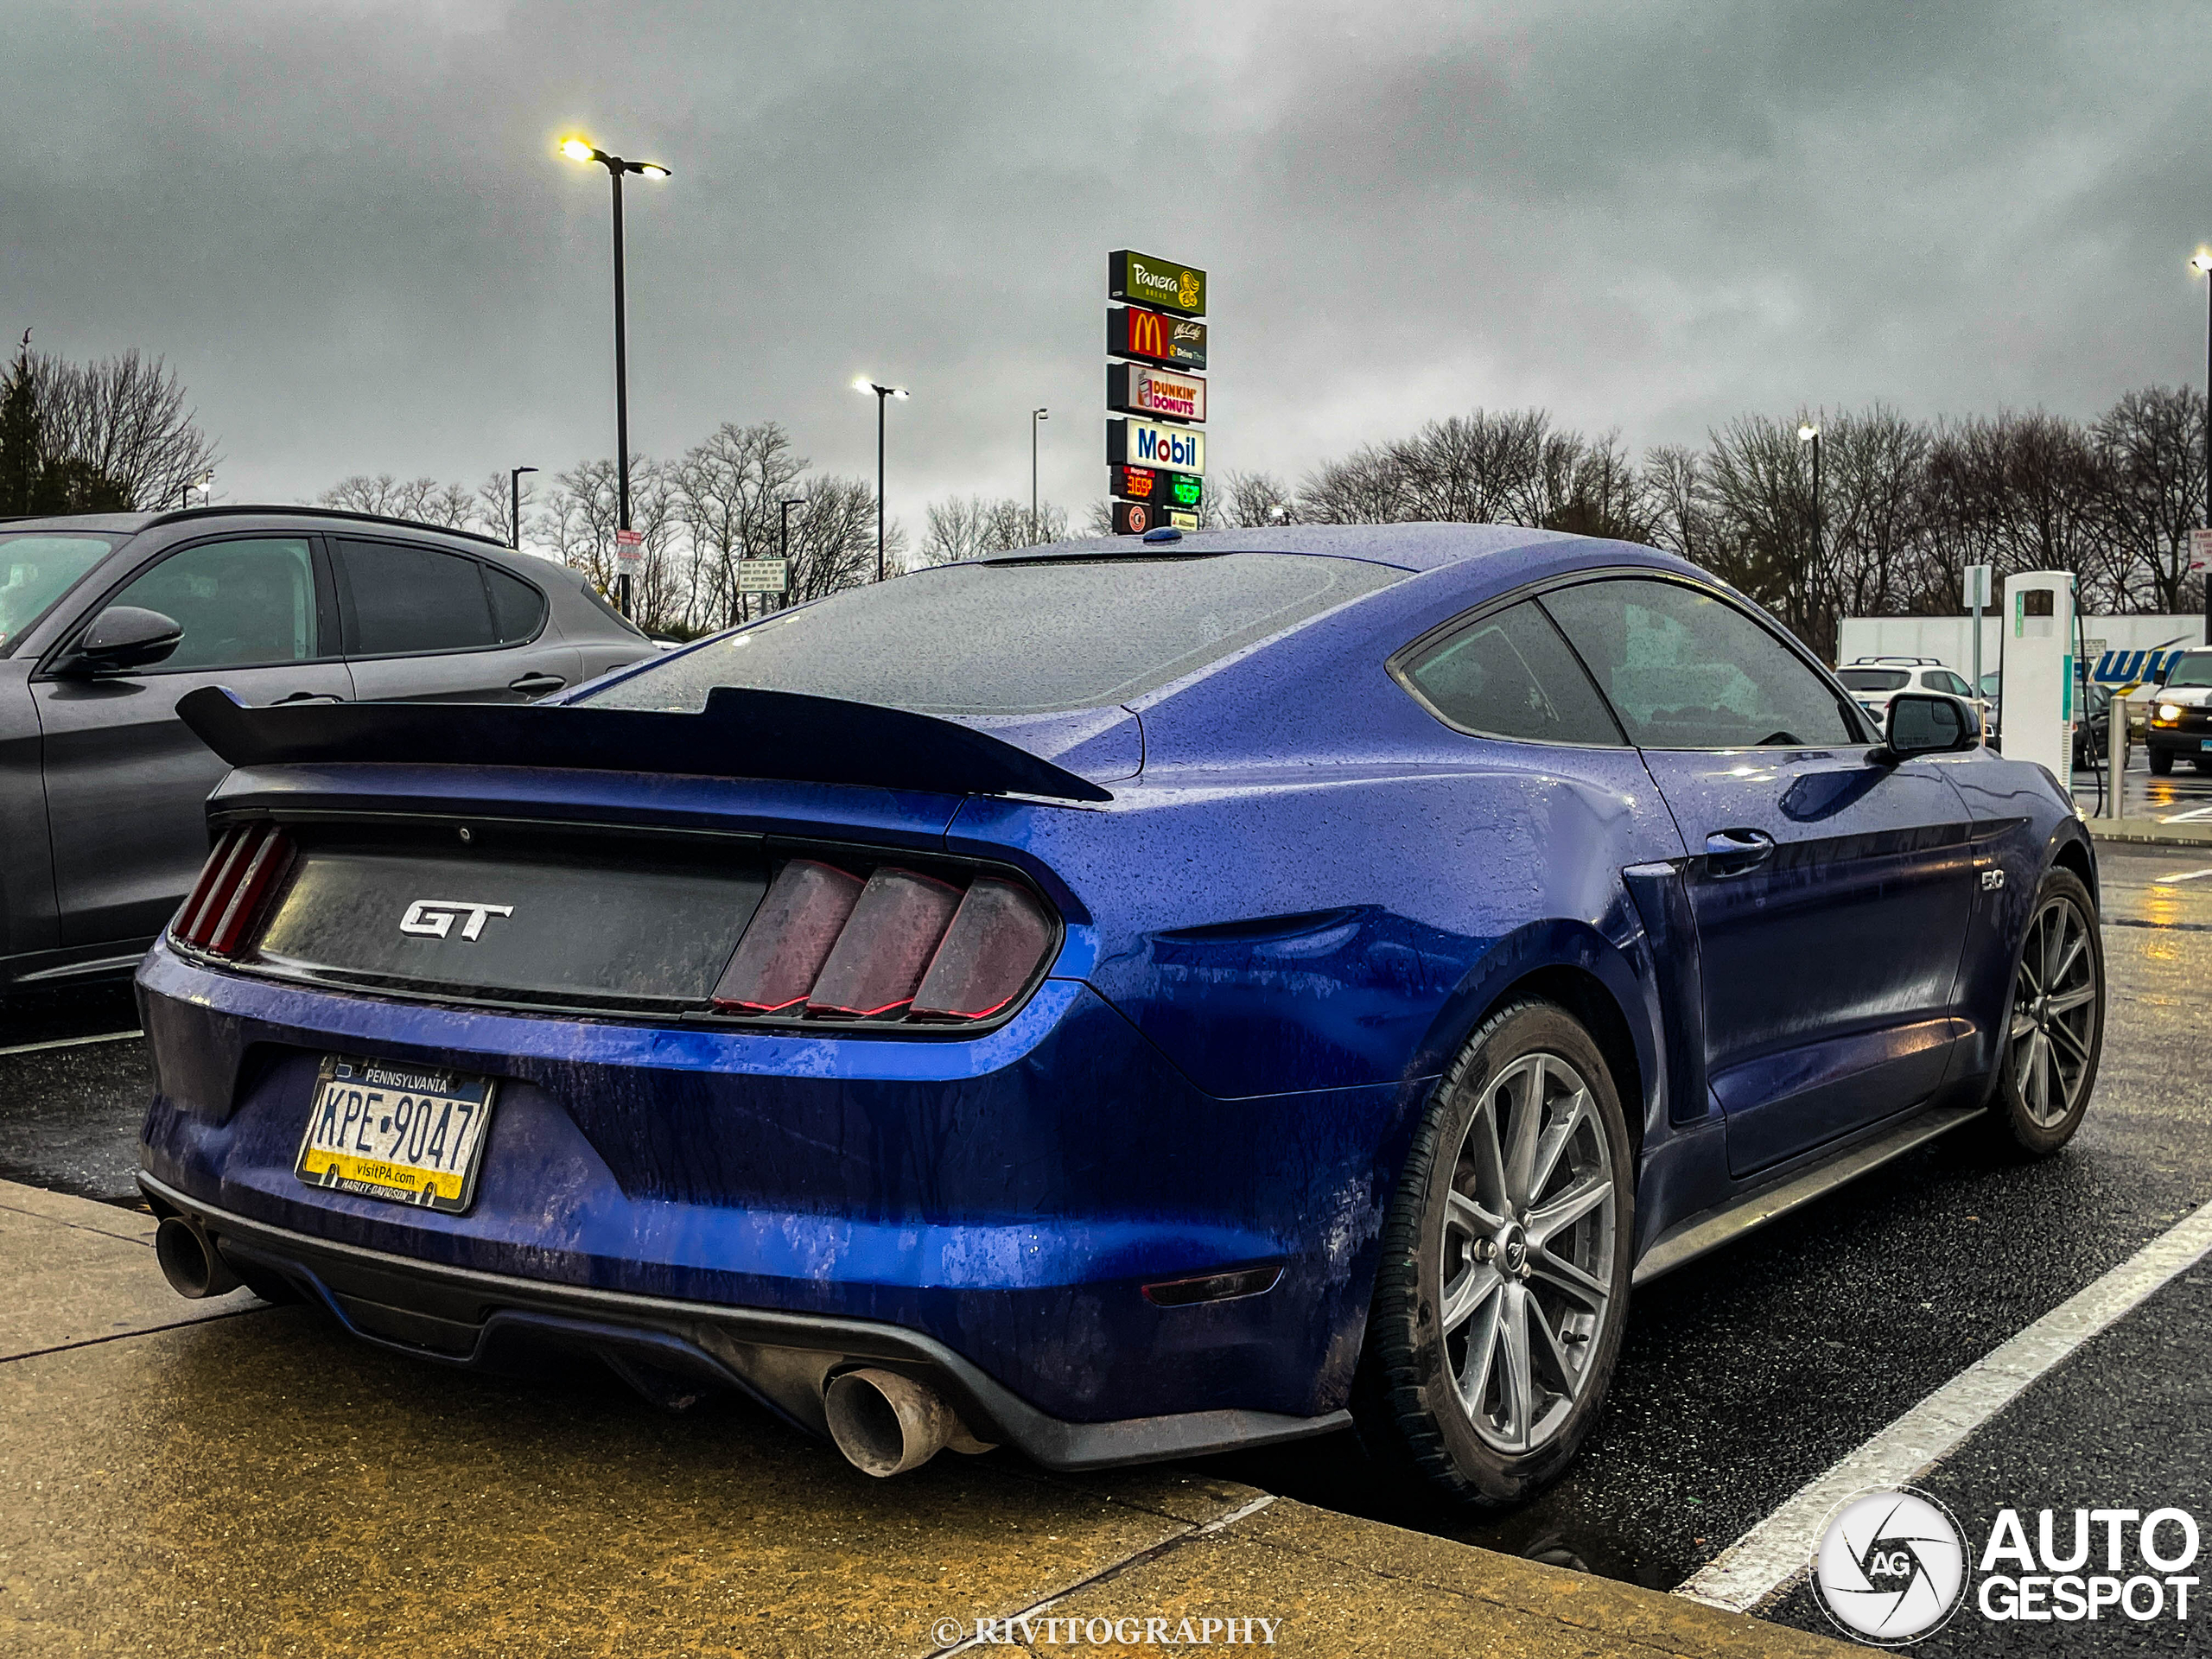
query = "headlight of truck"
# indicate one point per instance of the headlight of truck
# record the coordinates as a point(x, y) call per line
point(2169, 713)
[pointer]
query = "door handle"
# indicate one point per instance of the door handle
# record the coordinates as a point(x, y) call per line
point(307, 696)
point(536, 685)
point(1732, 851)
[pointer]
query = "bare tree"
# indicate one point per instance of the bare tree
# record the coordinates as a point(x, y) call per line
point(728, 491)
point(2153, 445)
point(125, 417)
point(958, 529)
point(1256, 497)
point(833, 539)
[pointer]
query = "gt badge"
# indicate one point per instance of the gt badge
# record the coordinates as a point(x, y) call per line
point(433, 917)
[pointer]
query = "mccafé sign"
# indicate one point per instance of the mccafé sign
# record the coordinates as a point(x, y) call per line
point(1140, 443)
point(1139, 390)
point(1142, 280)
point(1178, 342)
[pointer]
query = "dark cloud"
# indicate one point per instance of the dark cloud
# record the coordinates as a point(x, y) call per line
point(345, 225)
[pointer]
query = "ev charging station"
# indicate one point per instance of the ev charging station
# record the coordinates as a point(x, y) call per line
point(2038, 689)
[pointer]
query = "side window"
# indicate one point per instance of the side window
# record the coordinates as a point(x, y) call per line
point(518, 608)
point(1953, 684)
point(243, 604)
point(403, 599)
point(1510, 675)
point(1686, 670)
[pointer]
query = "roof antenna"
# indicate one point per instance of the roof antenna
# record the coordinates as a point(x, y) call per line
point(1164, 533)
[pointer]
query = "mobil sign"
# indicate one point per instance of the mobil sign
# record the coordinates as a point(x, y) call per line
point(1140, 443)
point(1138, 389)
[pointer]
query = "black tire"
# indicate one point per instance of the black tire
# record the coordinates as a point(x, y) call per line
point(2025, 1119)
point(2162, 761)
point(1412, 1415)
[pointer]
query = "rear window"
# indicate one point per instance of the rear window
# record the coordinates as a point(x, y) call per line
point(1872, 679)
point(1014, 636)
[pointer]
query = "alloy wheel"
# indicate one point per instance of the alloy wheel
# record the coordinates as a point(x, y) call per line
point(2055, 1011)
point(1527, 1253)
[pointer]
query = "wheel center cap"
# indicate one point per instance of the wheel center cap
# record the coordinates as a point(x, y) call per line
point(1513, 1250)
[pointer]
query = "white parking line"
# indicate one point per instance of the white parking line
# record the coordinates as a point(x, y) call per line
point(1773, 1555)
point(2187, 875)
point(72, 1042)
point(2189, 816)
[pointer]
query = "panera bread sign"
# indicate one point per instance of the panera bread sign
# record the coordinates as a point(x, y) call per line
point(1142, 280)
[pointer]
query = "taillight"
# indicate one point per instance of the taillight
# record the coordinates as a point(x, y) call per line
point(987, 956)
point(789, 939)
point(879, 958)
point(902, 946)
point(245, 868)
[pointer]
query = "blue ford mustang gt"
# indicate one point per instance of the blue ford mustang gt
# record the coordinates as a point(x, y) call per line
point(1118, 1000)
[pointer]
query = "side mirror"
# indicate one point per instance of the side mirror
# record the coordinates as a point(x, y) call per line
point(1924, 722)
point(121, 638)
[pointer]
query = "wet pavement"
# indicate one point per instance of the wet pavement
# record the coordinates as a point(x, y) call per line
point(1743, 1376)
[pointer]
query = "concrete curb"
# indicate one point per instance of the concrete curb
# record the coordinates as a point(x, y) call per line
point(2151, 832)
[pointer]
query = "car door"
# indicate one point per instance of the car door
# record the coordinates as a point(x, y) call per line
point(1830, 894)
point(126, 783)
point(424, 624)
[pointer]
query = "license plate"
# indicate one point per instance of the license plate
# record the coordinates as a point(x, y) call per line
point(406, 1133)
point(2207, 743)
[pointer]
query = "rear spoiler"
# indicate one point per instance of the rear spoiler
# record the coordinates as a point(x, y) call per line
point(742, 733)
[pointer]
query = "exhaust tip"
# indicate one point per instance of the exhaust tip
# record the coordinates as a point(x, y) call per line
point(190, 1262)
point(886, 1424)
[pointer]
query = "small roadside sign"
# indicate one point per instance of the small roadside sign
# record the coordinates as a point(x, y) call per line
point(1977, 586)
point(629, 547)
point(2200, 550)
point(763, 575)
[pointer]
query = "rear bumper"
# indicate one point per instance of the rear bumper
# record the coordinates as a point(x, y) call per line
point(997, 1201)
point(458, 1317)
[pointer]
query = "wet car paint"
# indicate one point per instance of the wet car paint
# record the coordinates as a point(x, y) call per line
point(1276, 936)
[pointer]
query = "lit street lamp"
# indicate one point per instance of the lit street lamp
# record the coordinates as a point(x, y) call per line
point(882, 395)
point(2203, 265)
point(1035, 416)
point(514, 498)
point(1812, 434)
point(582, 150)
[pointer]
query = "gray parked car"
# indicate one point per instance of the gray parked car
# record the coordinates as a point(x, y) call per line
point(106, 620)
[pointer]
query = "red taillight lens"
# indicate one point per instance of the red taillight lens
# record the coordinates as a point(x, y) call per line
point(789, 939)
point(987, 956)
point(245, 868)
point(887, 942)
point(898, 945)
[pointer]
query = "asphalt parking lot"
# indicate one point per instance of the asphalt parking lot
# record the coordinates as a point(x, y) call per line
point(1743, 1376)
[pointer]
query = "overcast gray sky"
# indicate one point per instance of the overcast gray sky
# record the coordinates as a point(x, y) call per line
point(345, 225)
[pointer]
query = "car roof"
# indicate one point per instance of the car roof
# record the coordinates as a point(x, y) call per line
point(1409, 547)
point(131, 523)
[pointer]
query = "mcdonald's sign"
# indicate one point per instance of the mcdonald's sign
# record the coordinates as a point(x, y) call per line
point(1178, 342)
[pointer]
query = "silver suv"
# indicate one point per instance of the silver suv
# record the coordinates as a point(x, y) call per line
point(1872, 681)
point(106, 620)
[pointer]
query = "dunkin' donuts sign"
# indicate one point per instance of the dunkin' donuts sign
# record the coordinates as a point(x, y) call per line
point(1138, 390)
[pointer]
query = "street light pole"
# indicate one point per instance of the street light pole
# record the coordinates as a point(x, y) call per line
point(582, 150)
point(882, 393)
point(1809, 434)
point(514, 505)
point(2202, 264)
point(1035, 416)
point(783, 546)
